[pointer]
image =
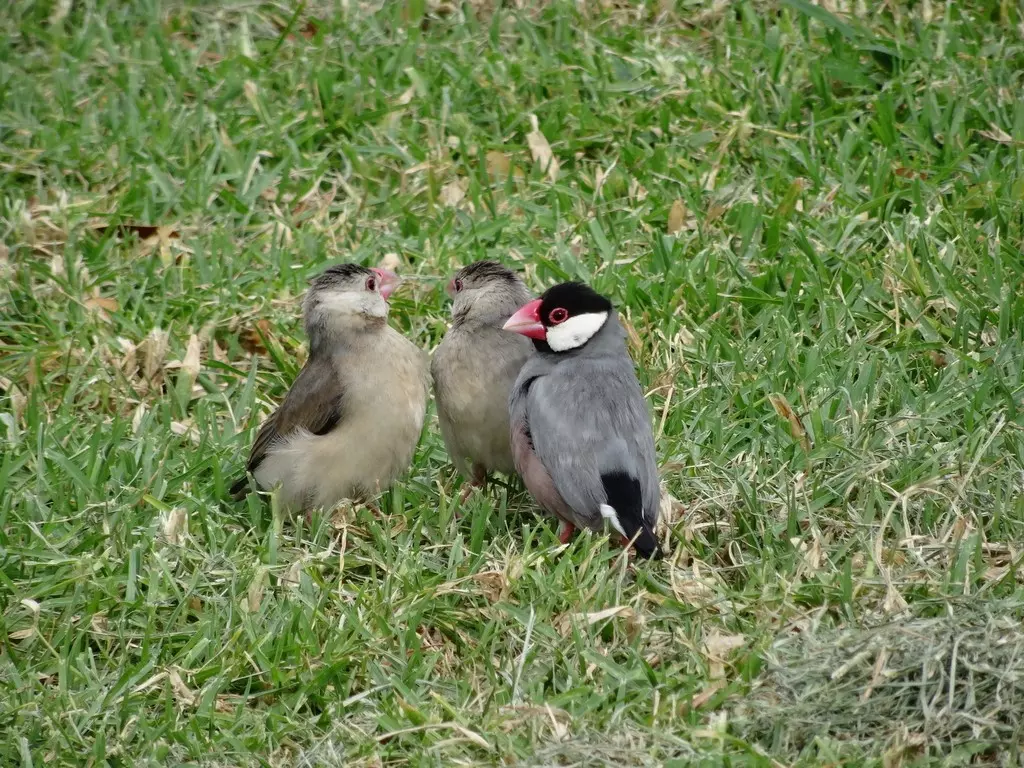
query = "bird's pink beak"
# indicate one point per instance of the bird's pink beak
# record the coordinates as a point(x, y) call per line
point(526, 321)
point(388, 281)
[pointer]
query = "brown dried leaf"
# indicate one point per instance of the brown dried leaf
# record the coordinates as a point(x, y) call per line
point(190, 366)
point(293, 576)
point(894, 601)
point(785, 410)
point(175, 522)
point(493, 584)
point(406, 96)
point(101, 305)
point(676, 217)
point(997, 135)
point(251, 338)
point(149, 682)
point(623, 611)
point(142, 231)
point(252, 94)
point(704, 696)
point(182, 692)
point(60, 12)
point(670, 512)
point(129, 363)
point(18, 400)
point(154, 351)
point(714, 213)
point(226, 703)
point(254, 595)
point(499, 165)
point(812, 554)
point(637, 191)
point(909, 173)
point(453, 192)
point(186, 429)
point(33, 608)
point(717, 647)
point(540, 150)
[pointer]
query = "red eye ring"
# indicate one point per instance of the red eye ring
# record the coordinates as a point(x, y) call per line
point(371, 284)
point(457, 285)
point(557, 315)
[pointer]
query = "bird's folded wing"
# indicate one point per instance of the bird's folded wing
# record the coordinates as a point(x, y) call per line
point(590, 428)
point(314, 404)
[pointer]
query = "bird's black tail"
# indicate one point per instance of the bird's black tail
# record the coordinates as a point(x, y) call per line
point(240, 488)
point(623, 493)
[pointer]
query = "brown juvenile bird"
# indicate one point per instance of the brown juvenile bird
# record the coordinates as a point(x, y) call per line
point(350, 423)
point(474, 368)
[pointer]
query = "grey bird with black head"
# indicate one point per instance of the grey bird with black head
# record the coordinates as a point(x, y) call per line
point(580, 430)
point(350, 422)
point(474, 367)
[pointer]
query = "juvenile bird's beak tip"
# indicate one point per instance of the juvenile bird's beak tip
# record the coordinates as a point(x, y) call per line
point(388, 281)
point(526, 321)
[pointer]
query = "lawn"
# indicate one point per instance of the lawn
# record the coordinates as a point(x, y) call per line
point(810, 217)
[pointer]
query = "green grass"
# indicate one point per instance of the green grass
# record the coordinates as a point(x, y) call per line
point(812, 221)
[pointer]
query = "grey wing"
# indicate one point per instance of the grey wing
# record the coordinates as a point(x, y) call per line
point(314, 403)
point(536, 476)
point(592, 430)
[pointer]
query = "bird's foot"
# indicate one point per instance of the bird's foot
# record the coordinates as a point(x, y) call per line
point(565, 535)
point(478, 480)
point(467, 491)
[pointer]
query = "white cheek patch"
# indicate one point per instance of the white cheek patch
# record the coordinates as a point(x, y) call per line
point(609, 514)
point(341, 302)
point(354, 303)
point(576, 331)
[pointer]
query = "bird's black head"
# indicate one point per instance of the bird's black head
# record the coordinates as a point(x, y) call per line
point(564, 318)
point(566, 301)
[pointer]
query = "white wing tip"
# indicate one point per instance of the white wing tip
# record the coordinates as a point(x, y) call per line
point(609, 514)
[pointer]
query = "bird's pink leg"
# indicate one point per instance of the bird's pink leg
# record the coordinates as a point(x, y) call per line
point(566, 533)
point(468, 491)
point(478, 480)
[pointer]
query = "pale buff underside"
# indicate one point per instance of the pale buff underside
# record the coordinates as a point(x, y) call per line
point(374, 442)
point(473, 374)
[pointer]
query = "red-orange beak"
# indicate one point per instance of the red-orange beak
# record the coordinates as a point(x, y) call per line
point(527, 321)
point(388, 281)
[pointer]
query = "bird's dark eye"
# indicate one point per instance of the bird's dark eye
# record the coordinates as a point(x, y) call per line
point(558, 315)
point(457, 285)
point(371, 284)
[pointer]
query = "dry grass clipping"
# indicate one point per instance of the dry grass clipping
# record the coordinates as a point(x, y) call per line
point(917, 685)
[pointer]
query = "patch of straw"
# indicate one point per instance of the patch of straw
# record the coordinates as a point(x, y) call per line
point(929, 684)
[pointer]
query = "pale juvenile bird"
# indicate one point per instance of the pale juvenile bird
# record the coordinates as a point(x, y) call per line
point(350, 423)
point(580, 429)
point(474, 368)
